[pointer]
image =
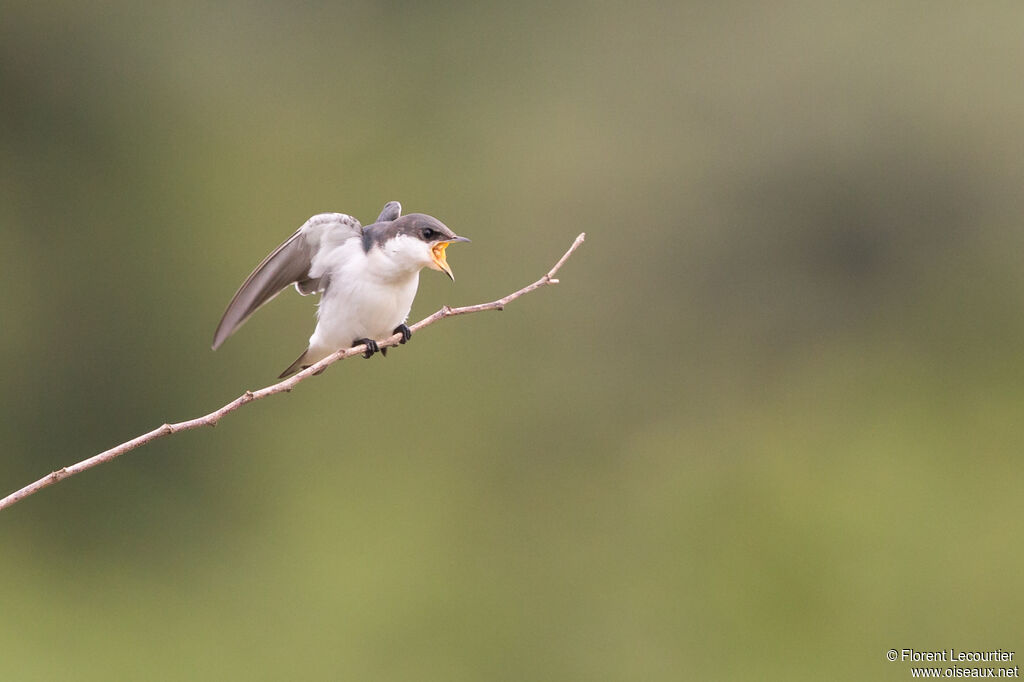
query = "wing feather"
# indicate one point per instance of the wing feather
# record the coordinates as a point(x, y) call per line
point(392, 211)
point(288, 264)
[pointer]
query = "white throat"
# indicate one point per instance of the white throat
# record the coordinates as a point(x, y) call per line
point(398, 259)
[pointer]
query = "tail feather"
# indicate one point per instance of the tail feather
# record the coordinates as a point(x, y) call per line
point(300, 363)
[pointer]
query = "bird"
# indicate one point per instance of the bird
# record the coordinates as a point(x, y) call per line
point(367, 277)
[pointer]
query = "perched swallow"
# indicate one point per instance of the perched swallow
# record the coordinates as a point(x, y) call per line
point(367, 276)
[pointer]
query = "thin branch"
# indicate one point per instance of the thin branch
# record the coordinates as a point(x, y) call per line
point(280, 387)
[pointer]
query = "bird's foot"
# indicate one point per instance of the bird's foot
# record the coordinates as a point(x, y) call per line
point(371, 347)
point(404, 330)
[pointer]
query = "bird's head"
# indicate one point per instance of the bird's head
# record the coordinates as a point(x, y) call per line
point(420, 241)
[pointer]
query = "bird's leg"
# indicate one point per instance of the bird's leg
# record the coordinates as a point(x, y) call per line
point(371, 347)
point(404, 330)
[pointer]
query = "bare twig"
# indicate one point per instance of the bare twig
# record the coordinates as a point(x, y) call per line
point(280, 387)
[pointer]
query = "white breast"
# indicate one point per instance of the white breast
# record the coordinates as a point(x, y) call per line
point(366, 298)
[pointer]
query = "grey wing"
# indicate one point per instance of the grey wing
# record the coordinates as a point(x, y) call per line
point(392, 211)
point(287, 264)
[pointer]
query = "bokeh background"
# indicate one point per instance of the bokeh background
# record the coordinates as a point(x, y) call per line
point(768, 427)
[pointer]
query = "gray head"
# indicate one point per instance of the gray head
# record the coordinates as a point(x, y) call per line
point(413, 241)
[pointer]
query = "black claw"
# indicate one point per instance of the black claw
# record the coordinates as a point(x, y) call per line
point(371, 347)
point(404, 330)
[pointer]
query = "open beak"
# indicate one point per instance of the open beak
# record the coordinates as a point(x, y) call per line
point(439, 258)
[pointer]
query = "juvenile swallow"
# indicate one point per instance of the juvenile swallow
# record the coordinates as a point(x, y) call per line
point(367, 278)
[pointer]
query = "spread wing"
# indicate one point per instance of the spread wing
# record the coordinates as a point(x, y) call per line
point(392, 211)
point(287, 264)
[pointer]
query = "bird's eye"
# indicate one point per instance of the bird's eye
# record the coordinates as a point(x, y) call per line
point(428, 233)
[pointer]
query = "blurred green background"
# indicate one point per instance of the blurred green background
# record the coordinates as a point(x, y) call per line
point(768, 427)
